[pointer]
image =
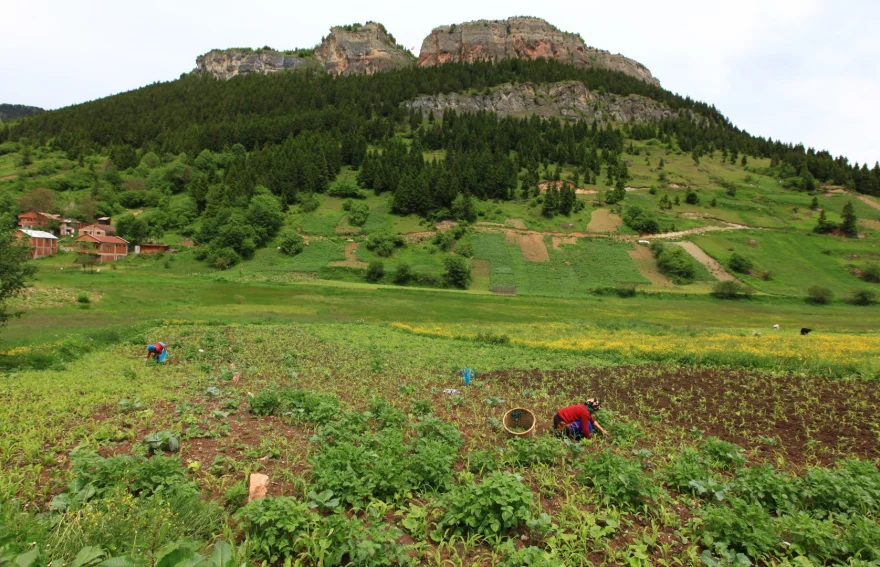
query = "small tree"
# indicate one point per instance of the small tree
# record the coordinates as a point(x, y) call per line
point(815, 203)
point(15, 270)
point(848, 221)
point(871, 273)
point(692, 198)
point(458, 272)
point(819, 295)
point(39, 199)
point(291, 243)
point(739, 263)
point(358, 213)
point(375, 271)
point(862, 297)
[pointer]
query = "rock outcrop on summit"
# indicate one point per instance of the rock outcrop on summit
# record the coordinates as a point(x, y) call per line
point(355, 49)
point(567, 100)
point(520, 38)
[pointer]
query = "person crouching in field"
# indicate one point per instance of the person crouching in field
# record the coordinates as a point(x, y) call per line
point(159, 351)
point(577, 421)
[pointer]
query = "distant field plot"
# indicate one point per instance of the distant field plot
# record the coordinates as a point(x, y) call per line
point(794, 261)
point(378, 220)
point(572, 270)
point(422, 258)
point(321, 223)
point(318, 254)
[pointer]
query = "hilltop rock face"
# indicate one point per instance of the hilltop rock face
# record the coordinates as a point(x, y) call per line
point(568, 100)
point(228, 63)
point(347, 50)
point(365, 50)
point(520, 38)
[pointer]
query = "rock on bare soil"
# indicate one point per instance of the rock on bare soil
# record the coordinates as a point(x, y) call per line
point(716, 269)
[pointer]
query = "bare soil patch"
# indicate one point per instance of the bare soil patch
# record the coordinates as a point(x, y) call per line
point(344, 228)
point(701, 230)
point(509, 237)
point(533, 247)
point(870, 223)
point(560, 184)
point(647, 266)
point(446, 225)
point(515, 223)
point(8, 177)
point(559, 240)
point(601, 220)
point(716, 269)
point(351, 260)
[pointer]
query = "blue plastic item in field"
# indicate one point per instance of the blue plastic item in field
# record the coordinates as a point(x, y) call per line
point(466, 376)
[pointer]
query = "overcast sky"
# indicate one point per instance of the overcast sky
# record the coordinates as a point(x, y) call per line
point(797, 70)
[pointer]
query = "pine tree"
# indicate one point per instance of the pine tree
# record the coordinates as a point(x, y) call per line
point(551, 201)
point(848, 224)
point(567, 199)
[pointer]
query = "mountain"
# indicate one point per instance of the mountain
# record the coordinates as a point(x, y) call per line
point(11, 111)
point(521, 38)
point(352, 49)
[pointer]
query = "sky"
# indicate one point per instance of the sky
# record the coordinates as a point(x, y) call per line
point(803, 71)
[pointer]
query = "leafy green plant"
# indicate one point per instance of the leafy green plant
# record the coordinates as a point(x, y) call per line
point(621, 481)
point(525, 452)
point(277, 528)
point(492, 507)
point(162, 441)
point(742, 527)
point(722, 453)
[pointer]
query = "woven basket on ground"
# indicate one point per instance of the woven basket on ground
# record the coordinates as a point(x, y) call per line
point(519, 422)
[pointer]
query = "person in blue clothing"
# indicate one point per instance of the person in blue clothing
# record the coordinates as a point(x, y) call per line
point(159, 351)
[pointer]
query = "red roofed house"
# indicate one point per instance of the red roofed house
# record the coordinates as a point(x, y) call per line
point(42, 243)
point(106, 248)
point(97, 230)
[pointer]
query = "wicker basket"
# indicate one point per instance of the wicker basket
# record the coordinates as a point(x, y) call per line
point(522, 419)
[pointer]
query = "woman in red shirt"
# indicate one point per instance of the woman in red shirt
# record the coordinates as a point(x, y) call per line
point(577, 421)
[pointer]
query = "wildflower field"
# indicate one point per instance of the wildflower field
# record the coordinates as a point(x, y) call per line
point(378, 454)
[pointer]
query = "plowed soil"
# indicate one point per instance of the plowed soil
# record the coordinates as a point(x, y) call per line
point(603, 221)
point(533, 247)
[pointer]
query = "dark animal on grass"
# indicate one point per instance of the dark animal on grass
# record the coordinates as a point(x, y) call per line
point(805, 331)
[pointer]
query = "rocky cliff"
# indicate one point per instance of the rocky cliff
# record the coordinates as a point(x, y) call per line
point(347, 50)
point(567, 100)
point(361, 50)
point(520, 38)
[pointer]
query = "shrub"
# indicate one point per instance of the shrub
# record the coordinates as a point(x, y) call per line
point(464, 249)
point(346, 191)
point(625, 290)
point(357, 214)
point(862, 297)
point(819, 295)
point(457, 272)
point(493, 507)
point(383, 243)
point(491, 338)
point(266, 402)
point(739, 263)
point(691, 198)
point(309, 203)
point(292, 243)
point(403, 274)
point(83, 298)
point(675, 262)
point(526, 452)
point(620, 480)
point(375, 271)
point(731, 290)
point(640, 220)
point(871, 273)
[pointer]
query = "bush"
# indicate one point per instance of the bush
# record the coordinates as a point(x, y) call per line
point(739, 263)
point(493, 507)
point(675, 262)
point(731, 290)
point(692, 198)
point(375, 271)
point(640, 220)
point(819, 295)
point(457, 272)
point(309, 203)
point(403, 274)
point(346, 191)
point(277, 528)
point(871, 273)
point(83, 298)
point(491, 338)
point(722, 453)
point(292, 243)
point(358, 214)
point(862, 297)
point(620, 480)
point(383, 243)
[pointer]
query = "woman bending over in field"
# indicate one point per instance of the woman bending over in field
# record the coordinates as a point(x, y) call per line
point(577, 421)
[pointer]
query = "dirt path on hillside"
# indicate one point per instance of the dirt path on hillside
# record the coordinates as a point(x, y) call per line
point(869, 202)
point(701, 230)
point(716, 269)
point(351, 260)
point(8, 177)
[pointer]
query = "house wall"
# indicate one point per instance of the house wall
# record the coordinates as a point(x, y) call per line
point(111, 252)
point(42, 247)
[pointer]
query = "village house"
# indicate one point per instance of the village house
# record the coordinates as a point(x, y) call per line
point(105, 248)
point(41, 243)
point(97, 230)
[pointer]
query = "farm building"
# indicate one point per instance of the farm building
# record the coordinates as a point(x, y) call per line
point(151, 248)
point(97, 230)
point(53, 223)
point(41, 243)
point(106, 248)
